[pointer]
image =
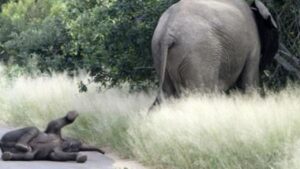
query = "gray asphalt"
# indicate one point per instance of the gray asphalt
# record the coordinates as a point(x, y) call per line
point(95, 161)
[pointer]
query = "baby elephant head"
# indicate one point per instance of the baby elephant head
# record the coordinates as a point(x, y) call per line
point(74, 145)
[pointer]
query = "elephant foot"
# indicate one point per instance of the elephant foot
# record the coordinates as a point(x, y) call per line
point(81, 158)
point(72, 115)
point(6, 156)
point(23, 147)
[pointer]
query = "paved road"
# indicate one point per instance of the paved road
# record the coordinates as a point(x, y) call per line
point(95, 161)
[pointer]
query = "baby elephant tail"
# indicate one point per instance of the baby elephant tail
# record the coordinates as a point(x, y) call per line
point(1, 146)
point(85, 147)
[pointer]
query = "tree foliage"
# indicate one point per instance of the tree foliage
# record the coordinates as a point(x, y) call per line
point(115, 37)
point(109, 38)
point(34, 31)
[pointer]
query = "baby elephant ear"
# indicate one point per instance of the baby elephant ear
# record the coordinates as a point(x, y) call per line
point(260, 9)
point(268, 33)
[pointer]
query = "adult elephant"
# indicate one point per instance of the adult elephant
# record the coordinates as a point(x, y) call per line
point(212, 46)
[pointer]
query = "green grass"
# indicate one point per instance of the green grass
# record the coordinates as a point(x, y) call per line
point(196, 132)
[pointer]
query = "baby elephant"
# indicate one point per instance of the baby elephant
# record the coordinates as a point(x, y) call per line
point(31, 144)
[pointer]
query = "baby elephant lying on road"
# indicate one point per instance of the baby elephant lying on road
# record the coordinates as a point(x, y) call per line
point(31, 144)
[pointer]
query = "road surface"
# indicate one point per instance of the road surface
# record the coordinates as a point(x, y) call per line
point(95, 161)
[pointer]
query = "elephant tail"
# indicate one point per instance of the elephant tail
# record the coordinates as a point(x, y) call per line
point(163, 54)
point(1, 146)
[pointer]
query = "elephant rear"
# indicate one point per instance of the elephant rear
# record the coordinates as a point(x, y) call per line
point(204, 45)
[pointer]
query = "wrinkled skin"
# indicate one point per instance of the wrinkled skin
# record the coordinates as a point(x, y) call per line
point(31, 144)
point(212, 45)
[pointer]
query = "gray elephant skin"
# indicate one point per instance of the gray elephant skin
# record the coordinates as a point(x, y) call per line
point(212, 45)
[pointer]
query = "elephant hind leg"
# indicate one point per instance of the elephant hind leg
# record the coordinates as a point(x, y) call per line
point(6, 156)
point(169, 87)
point(28, 135)
point(55, 126)
point(249, 79)
point(18, 139)
point(192, 76)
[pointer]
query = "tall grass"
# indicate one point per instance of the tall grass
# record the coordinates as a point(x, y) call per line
point(196, 132)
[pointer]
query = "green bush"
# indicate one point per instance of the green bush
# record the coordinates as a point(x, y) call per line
point(35, 30)
point(109, 38)
point(114, 38)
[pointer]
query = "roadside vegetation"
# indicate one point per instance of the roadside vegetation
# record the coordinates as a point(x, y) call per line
point(200, 131)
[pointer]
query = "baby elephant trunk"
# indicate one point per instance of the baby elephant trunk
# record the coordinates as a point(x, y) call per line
point(85, 147)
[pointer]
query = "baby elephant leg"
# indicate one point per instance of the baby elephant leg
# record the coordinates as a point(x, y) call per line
point(55, 126)
point(28, 135)
point(64, 156)
point(19, 139)
point(6, 156)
